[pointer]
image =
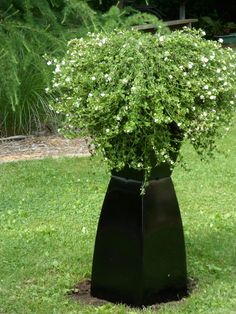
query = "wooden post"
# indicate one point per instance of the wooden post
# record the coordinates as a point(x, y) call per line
point(182, 11)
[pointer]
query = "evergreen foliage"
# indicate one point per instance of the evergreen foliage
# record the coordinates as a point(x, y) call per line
point(30, 29)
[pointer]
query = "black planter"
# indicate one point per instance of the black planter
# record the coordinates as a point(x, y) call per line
point(139, 256)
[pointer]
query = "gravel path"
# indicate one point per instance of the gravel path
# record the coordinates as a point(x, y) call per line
point(34, 147)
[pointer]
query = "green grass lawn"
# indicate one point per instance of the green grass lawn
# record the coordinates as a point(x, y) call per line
point(48, 217)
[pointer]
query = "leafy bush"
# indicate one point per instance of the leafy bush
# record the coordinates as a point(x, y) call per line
point(129, 91)
point(127, 18)
point(29, 30)
point(146, 18)
point(24, 76)
point(215, 26)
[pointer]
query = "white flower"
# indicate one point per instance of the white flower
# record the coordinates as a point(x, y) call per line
point(202, 97)
point(220, 40)
point(212, 97)
point(84, 230)
point(47, 90)
point(231, 102)
point(161, 38)
point(107, 130)
point(224, 68)
point(190, 65)
point(194, 108)
point(218, 70)
point(102, 94)
point(57, 70)
point(108, 78)
point(170, 77)
point(205, 87)
point(68, 79)
point(49, 62)
point(205, 113)
point(203, 33)
point(90, 95)
point(204, 59)
point(104, 40)
point(93, 78)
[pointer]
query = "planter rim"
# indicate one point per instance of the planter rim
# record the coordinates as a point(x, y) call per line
point(157, 172)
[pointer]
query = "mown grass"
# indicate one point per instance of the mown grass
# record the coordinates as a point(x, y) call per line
point(48, 215)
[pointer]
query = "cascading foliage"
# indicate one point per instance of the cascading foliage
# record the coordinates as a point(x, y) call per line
point(136, 93)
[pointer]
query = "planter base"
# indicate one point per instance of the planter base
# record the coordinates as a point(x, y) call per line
point(139, 257)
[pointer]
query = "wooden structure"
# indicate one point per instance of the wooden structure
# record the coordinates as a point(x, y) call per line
point(175, 24)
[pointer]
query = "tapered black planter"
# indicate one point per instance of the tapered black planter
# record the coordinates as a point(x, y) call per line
point(139, 257)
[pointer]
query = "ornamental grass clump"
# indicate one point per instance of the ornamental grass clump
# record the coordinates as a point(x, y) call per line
point(136, 94)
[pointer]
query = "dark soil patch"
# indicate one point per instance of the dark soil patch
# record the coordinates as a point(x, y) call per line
point(81, 293)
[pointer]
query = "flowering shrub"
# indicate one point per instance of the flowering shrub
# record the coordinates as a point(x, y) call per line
point(135, 94)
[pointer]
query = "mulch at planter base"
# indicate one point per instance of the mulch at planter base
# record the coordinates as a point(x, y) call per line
point(81, 293)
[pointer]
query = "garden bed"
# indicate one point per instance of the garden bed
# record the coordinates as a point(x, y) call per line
point(35, 147)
